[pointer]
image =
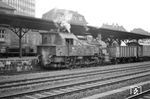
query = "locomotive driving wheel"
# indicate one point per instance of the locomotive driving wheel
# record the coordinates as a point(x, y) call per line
point(70, 62)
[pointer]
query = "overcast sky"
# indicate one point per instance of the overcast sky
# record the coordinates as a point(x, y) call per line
point(129, 13)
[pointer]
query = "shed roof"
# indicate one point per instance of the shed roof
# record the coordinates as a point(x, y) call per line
point(118, 34)
point(25, 22)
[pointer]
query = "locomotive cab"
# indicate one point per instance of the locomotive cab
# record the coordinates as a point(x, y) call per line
point(55, 46)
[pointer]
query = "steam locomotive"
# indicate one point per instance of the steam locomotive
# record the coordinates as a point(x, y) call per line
point(65, 50)
point(62, 49)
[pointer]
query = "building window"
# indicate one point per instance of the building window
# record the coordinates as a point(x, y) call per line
point(2, 34)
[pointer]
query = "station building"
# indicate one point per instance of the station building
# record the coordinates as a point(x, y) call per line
point(10, 39)
point(23, 7)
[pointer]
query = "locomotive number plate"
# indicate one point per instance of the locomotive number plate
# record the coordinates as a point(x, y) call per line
point(135, 90)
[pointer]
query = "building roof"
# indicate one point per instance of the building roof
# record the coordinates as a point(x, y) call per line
point(55, 14)
point(6, 6)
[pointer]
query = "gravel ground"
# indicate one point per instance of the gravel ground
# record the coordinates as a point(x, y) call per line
point(5, 78)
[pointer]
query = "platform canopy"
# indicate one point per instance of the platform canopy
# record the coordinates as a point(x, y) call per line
point(25, 22)
point(33, 23)
point(41, 24)
point(122, 35)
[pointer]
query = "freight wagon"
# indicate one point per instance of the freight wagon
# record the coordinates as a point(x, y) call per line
point(144, 52)
point(129, 53)
point(123, 53)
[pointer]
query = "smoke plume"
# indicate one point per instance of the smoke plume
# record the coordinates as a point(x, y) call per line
point(62, 21)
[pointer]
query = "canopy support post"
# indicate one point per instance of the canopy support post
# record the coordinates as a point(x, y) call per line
point(20, 32)
point(20, 43)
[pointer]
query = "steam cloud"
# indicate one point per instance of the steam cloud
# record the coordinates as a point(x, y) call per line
point(63, 20)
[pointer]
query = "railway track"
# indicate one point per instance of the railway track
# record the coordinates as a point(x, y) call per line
point(63, 77)
point(59, 77)
point(65, 84)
